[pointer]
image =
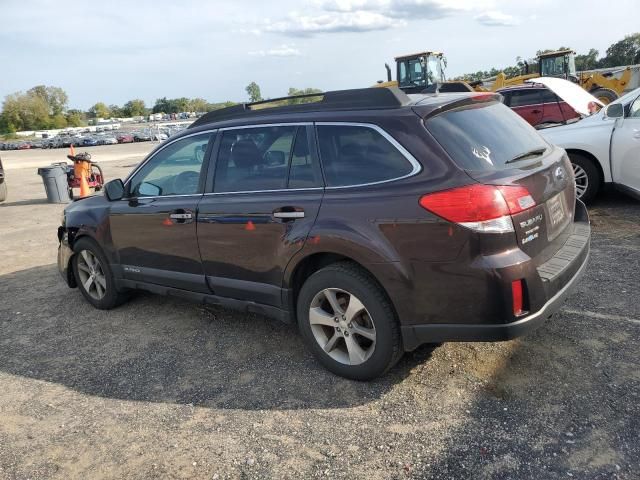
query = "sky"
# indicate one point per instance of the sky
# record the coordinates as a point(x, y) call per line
point(114, 51)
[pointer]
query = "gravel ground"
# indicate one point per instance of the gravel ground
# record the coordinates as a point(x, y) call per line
point(161, 388)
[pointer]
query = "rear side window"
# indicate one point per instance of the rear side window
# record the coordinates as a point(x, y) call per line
point(253, 159)
point(522, 98)
point(356, 155)
point(549, 97)
point(484, 136)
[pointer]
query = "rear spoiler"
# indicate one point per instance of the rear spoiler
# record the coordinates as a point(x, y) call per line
point(425, 111)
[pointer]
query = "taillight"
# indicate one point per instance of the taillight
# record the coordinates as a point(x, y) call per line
point(484, 208)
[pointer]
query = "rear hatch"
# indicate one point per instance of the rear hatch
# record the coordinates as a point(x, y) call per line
point(495, 146)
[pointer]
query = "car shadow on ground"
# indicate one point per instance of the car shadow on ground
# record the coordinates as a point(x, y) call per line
point(162, 349)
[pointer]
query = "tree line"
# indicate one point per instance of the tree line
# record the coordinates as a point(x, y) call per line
point(46, 107)
point(622, 52)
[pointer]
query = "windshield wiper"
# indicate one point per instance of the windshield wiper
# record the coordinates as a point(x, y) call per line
point(531, 153)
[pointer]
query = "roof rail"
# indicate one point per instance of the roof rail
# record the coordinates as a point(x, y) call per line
point(355, 99)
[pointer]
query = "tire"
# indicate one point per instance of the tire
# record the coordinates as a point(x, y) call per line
point(587, 177)
point(605, 95)
point(3, 191)
point(349, 353)
point(101, 294)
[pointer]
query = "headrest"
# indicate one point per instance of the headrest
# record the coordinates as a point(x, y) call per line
point(245, 154)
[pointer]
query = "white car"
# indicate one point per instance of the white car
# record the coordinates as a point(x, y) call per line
point(604, 147)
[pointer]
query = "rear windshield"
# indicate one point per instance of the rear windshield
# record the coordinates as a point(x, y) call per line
point(484, 136)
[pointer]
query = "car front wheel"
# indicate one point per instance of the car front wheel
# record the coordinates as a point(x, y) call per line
point(94, 277)
point(348, 322)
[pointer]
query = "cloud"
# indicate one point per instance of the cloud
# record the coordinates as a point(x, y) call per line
point(335, 22)
point(281, 51)
point(339, 16)
point(497, 19)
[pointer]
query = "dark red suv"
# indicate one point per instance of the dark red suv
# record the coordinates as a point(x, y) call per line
point(537, 104)
point(375, 221)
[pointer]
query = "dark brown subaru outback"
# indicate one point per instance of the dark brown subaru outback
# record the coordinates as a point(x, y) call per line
point(374, 220)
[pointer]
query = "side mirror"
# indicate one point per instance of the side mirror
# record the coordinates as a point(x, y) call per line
point(615, 110)
point(114, 190)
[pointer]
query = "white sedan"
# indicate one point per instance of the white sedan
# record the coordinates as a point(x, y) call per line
point(604, 147)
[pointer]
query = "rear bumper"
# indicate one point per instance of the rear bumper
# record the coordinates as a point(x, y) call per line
point(557, 279)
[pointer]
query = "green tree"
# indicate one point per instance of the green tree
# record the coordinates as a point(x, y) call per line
point(134, 108)
point(116, 111)
point(623, 52)
point(100, 110)
point(76, 118)
point(55, 97)
point(199, 105)
point(253, 90)
point(22, 111)
point(587, 61)
point(305, 91)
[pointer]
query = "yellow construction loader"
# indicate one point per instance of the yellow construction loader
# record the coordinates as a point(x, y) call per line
point(606, 84)
point(422, 72)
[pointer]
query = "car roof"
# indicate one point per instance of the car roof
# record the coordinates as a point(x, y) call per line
point(365, 102)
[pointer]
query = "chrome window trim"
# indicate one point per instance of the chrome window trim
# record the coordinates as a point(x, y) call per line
point(416, 166)
point(267, 125)
point(265, 191)
point(161, 196)
point(162, 147)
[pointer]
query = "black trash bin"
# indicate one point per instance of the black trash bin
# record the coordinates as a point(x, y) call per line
point(54, 178)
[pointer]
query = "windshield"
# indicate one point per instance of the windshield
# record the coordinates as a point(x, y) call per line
point(552, 66)
point(434, 69)
point(485, 136)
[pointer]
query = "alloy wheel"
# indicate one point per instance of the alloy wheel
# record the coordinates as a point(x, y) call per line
point(582, 180)
point(342, 326)
point(91, 275)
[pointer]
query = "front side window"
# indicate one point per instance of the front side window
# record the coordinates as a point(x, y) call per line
point(265, 158)
point(174, 170)
point(356, 155)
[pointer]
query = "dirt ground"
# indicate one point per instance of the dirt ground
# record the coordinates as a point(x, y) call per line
point(161, 388)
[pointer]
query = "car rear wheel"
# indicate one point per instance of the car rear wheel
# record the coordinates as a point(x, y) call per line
point(94, 276)
point(348, 323)
point(586, 176)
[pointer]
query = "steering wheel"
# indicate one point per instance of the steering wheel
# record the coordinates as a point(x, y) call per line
point(186, 182)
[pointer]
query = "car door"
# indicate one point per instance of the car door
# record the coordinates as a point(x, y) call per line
point(625, 148)
point(552, 107)
point(263, 199)
point(153, 228)
point(528, 104)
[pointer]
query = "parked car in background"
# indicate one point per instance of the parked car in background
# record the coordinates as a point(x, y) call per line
point(160, 137)
point(107, 140)
point(125, 138)
point(537, 104)
point(604, 147)
point(24, 146)
point(3, 184)
point(141, 136)
point(376, 221)
point(89, 142)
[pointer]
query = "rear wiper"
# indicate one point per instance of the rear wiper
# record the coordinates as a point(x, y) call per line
point(531, 153)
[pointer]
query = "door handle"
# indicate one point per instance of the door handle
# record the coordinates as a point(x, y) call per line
point(536, 111)
point(181, 216)
point(636, 133)
point(288, 215)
